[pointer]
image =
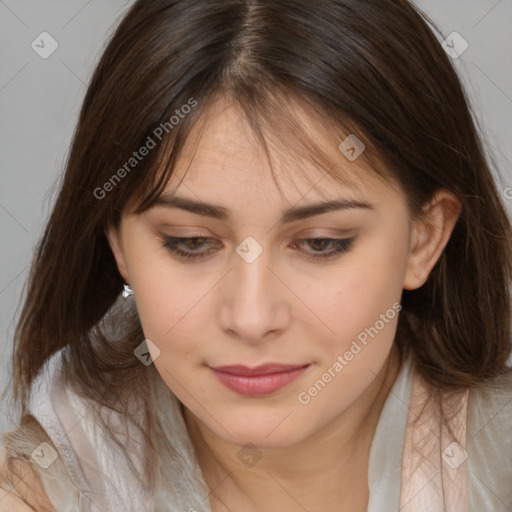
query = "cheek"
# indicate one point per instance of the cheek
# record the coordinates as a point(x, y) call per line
point(170, 313)
point(363, 313)
point(171, 321)
point(356, 294)
point(173, 302)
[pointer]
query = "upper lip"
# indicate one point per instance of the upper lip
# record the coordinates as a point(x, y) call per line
point(264, 369)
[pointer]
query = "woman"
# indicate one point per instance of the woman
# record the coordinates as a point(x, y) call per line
point(276, 276)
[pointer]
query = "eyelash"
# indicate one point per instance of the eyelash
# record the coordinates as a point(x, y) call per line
point(342, 245)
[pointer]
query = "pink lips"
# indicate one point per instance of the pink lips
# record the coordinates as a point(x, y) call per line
point(261, 380)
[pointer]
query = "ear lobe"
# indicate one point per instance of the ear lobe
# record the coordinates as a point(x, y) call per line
point(430, 236)
point(114, 239)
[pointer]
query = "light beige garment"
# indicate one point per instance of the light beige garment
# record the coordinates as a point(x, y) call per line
point(434, 476)
point(484, 480)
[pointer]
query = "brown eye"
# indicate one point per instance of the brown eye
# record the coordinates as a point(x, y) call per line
point(338, 245)
point(173, 244)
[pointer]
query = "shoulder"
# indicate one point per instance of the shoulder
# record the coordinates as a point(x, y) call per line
point(21, 477)
point(78, 448)
point(489, 443)
point(490, 405)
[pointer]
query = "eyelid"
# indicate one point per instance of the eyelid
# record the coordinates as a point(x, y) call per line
point(339, 246)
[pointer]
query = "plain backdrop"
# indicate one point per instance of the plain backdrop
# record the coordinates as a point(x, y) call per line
point(40, 100)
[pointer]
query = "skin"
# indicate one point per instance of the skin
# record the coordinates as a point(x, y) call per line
point(28, 485)
point(283, 307)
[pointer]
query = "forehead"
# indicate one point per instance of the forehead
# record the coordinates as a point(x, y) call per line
point(223, 158)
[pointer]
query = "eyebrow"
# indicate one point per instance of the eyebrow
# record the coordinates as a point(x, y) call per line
point(290, 215)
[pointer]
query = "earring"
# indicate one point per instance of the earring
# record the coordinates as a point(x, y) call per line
point(127, 292)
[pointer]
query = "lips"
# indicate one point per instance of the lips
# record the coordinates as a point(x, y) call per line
point(265, 369)
point(259, 380)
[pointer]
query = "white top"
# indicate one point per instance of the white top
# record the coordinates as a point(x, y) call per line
point(101, 471)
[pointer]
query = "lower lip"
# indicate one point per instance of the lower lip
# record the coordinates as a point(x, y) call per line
point(257, 385)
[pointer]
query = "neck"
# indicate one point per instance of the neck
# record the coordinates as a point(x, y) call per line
point(325, 471)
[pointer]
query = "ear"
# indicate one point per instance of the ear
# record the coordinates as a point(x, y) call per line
point(430, 236)
point(115, 242)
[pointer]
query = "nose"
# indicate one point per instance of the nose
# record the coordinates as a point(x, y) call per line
point(255, 302)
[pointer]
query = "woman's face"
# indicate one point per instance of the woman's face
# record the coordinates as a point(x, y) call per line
point(256, 289)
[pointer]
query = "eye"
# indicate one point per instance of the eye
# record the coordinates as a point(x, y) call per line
point(338, 246)
point(192, 245)
point(172, 244)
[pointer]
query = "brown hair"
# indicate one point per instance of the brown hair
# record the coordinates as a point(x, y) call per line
point(368, 67)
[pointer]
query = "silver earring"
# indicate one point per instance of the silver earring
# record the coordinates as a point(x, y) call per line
point(127, 292)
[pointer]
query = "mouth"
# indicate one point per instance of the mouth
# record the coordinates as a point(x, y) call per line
point(260, 380)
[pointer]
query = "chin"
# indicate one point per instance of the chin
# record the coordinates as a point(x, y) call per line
point(259, 434)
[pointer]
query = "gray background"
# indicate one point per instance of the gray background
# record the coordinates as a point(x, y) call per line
point(40, 101)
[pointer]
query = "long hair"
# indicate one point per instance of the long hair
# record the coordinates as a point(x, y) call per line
point(365, 67)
